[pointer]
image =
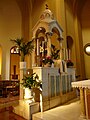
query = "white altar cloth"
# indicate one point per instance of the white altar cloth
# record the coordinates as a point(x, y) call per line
point(81, 84)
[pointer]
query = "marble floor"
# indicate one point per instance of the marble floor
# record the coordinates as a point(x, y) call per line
point(69, 111)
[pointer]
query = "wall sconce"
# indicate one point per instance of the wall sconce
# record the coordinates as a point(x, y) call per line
point(87, 49)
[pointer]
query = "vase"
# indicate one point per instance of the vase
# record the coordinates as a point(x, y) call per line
point(22, 65)
point(69, 66)
point(47, 65)
point(28, 93)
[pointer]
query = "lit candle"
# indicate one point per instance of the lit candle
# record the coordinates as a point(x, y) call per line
point(37, 47)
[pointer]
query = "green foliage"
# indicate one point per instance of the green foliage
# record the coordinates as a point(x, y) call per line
point(31, 81)
point(25, 48)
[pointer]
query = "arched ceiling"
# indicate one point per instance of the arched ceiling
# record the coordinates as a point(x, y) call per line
point(24, 5)
point(77, 5)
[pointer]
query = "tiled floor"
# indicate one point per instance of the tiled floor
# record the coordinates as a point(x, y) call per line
point(70, 111)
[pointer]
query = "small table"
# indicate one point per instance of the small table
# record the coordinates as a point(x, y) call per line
point(84, 87)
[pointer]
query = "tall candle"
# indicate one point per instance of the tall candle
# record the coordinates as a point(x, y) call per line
point(64, 53)
point(61, 54)
point(69, 55)
point(37, 47)
point(42, 48)
point(61, 66)
point(60, 45)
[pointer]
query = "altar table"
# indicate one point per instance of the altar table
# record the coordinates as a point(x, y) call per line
point(84, 87)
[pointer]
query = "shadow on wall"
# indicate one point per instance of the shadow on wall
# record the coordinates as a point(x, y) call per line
point(0, 60)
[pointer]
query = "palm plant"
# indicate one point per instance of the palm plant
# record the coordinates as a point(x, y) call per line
point(24, 47)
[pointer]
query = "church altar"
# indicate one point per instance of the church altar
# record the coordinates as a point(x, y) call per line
point(56, 87)
point(81, 84)
point(56, 80)
point(84, 87)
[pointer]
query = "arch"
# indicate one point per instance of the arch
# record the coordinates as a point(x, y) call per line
point(69, 41)
point(14, 60)
point(55, 30)
point(40, 30)
point(14, 50)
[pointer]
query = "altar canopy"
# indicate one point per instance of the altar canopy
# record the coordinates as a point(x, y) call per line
point(45, 32)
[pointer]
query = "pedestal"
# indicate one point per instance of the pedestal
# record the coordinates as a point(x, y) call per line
point(22, 72)
point(26, 109)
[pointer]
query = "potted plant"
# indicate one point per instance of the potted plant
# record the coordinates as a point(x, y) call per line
point(25, 48)
point(69, 63)
point(31, 83)
point(47, 61)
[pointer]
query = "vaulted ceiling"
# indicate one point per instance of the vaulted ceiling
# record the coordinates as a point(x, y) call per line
point(77, 5)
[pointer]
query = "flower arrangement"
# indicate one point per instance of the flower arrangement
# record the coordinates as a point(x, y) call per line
point(48, 60)
point(31, 81)
point(69, 63)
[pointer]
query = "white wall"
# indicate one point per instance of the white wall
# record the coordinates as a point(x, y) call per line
point(10, 27)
